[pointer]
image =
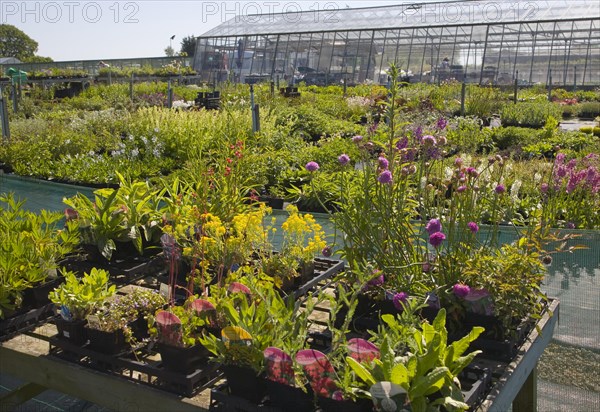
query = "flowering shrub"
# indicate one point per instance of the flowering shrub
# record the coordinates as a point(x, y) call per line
point(571, 197)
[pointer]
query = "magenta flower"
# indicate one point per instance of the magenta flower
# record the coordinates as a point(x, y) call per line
point(461, 290)
point(471, 171)
point(500, 189)
point(327, 251)
point(399, 299)
point(433, 226)
point(312, 166)
point(343, 159)
point(436, 239)
point(544, 187)
point(378, 280)
point(357, 139)
point(385, 177)
point(458, 162)
point(473, 227)
point(461, 189)
point(383, 162)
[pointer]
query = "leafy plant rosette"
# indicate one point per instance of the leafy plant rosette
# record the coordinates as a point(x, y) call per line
point(303, 238)
point(76, 298)
point(424, 375)
point(127, 214)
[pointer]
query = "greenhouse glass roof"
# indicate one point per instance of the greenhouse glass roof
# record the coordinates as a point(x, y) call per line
point(408, 15)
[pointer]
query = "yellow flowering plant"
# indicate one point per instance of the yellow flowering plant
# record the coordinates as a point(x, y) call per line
point(302, 239)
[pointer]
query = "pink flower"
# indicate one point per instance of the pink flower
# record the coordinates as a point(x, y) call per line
point(399, 299)
point(433, 226)
point(436, 239)
point(461, 290)
point(461, 189)
point(312, 166)
point(383, 162)
point(473, 227)
point(429, 140)
point(385, 177)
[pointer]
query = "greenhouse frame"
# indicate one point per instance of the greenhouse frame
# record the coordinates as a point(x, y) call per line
point(486, 42)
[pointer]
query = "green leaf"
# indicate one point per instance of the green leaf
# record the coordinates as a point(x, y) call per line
point(361, 371)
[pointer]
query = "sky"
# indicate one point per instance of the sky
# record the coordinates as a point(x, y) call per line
point(100, 30)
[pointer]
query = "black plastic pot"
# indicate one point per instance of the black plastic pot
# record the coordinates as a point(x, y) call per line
point(109, 343)
point(289, 398)
point(73, 331)
point(244, 382)
point(182, 360)
point(331, 405)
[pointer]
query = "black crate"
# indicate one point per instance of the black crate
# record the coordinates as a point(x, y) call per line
point(25, 321)
point(141, 369)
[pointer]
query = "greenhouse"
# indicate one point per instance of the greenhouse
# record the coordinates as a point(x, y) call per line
point(483, 42)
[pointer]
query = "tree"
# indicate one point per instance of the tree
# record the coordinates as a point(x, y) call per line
point(188, 46)
point(38, 59)
point(15, 43)
point(169, 51)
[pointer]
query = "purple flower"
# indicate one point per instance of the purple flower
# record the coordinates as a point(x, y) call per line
point(500, 189)
point(378, 280)
point(461, 290)
point(471, 171)
point(402, 143)
point(461, 189)
point(418, 133)
point(327, 251)
point(458, 162)
point(312, 166)
point(357, 139)
point(433, 226)
point(429, 140)
point(436, 239)
point(343, 159)
point(570, 225)
point(544, 187)
point(473, 227)
point(385, 177)
point(441, 123)
point(383, 162)
point(399, 299)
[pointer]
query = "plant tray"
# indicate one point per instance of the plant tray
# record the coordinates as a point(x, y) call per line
point(475, 382)
point(503, 350)
point(25, 321)
point(324, 269)
point(147, 369)
point(122, 271)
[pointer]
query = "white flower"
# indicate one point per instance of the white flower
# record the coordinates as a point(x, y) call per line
point(135, 152)
point(514, 189)
point(537, 177)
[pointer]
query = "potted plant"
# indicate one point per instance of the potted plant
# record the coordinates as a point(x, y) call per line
point(178, 331)
point(31, 249)
point(253, 324)
point(302, 239)
point(75, 300)
point(122, 320)
point(425, 376)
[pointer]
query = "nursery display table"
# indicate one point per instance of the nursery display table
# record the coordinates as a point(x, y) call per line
point(28, 358)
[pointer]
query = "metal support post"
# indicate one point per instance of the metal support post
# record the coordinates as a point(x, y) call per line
point(463, 94)
point(516, 90)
